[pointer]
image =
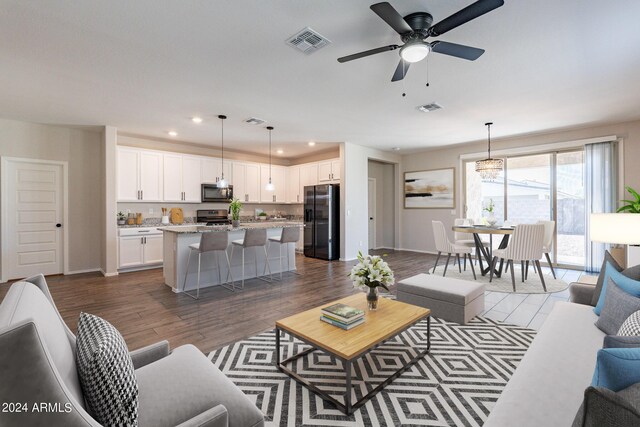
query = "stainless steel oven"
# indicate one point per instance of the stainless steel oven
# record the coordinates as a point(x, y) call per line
point(211, 193)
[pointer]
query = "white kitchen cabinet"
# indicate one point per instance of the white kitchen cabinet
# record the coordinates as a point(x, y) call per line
point(191, 180)
point(152, 249)
point(329, 171)
point(151, 176)
point(139, 247)
point(246, 182)
point(293, 185)
point(130, 251)
point(181, 178)
point(172, 177)
point(139, 175)
point(335, 170)
point(308, 176)
point(212, 170)
point(279, 194)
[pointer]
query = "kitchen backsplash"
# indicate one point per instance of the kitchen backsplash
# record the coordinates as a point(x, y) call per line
point(154, 210)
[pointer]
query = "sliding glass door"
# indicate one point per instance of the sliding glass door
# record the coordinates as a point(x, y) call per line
point(547, 186)
point(570, 214)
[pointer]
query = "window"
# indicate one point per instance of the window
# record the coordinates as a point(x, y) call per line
point(547, 186)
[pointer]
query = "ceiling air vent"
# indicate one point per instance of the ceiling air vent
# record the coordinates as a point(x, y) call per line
point(429, 107)
point(254, 121)
point(307, 41)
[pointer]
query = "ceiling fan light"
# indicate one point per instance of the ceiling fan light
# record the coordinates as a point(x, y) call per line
point(415, 52)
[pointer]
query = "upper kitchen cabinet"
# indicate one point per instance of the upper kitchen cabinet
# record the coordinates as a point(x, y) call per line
point(246, 182)
point(293, 185)
point(139, 175)
point(308, 176)
point(279, 194)
point(329, 171)
point(212, 170)
point(181, 178)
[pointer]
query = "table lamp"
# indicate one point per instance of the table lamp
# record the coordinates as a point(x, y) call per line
point(618, 228)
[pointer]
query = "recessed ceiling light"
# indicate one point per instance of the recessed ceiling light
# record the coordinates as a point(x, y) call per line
point(311, 143)
point(172, 133)
point(279, 151)
point(196, 119)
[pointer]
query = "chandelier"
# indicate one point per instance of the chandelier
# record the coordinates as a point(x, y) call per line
point(489, 168)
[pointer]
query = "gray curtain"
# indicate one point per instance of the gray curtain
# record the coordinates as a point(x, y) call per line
point(601, 188)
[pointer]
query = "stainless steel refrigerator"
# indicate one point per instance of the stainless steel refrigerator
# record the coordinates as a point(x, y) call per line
point(322, 221)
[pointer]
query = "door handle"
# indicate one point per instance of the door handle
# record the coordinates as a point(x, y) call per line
point(141, 194)
point(58, 225)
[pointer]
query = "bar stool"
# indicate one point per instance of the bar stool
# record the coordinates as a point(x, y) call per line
point(254, 238)
point(288, 235)
point(216, 242)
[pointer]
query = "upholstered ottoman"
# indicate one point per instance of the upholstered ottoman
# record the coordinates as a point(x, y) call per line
point(449, 299)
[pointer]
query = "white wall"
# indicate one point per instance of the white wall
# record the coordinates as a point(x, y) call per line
point(385, 196)
point(354, 229)
point(109, 264)
point(81, 149)
point(416, 223)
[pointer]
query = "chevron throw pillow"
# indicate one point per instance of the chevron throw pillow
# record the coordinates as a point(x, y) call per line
point(631, 326)
point(106, 372)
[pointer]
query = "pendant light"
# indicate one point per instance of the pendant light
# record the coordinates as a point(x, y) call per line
point(270, 186)
point(222, 183)
point(489, 168)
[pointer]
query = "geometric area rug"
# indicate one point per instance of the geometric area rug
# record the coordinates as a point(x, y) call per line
point(457, 384)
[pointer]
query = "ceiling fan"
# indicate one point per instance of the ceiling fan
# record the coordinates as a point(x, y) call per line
point(415, 28)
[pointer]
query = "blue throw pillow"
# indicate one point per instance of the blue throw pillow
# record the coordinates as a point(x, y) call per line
point(625, 283)
point(617, 368)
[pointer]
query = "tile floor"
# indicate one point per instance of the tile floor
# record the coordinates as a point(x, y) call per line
point(529, 310)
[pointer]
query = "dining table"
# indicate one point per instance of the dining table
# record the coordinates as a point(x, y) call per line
point(481, 250)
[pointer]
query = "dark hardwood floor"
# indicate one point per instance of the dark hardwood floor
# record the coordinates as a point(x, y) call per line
point(145, 310)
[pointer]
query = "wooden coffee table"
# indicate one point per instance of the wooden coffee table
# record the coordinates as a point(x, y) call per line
point(391, 318)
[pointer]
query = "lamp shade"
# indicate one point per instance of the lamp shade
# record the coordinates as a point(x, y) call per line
point(620, 228)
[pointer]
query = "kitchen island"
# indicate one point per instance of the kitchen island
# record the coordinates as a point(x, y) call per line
point(176, 241)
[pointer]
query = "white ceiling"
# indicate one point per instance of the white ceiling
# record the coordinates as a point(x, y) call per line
point(146, 67)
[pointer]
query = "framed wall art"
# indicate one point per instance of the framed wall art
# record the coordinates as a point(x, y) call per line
point(431, 189)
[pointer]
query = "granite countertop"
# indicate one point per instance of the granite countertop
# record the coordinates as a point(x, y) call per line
point(243, 226)
point(159, 224)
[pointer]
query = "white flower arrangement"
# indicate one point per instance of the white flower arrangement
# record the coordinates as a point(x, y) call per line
point(370, 272)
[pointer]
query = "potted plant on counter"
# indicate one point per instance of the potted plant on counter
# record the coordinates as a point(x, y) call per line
point(121, 218)
point(235, 207)
point(262, 216)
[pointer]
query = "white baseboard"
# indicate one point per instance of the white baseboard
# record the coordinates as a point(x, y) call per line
point(418, 250)
point(108, 274)
point(88, 270)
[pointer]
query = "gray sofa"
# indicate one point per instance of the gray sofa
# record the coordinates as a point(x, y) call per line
point(37, 366)
point(548, 386)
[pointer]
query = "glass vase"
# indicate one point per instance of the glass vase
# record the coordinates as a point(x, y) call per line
point(372, 298)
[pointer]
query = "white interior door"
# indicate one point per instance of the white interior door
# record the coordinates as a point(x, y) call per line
point(372, 213)
point(33, 197)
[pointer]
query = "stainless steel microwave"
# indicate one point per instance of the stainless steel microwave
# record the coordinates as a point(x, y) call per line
point(211, 193)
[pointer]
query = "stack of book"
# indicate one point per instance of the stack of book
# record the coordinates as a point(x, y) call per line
point(342, 316)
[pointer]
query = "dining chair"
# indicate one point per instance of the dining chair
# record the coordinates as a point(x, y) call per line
point(443, 245)
point(525, 245)
point(463, 238)
point(549, 228)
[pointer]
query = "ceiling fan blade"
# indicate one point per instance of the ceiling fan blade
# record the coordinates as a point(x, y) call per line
point(463, 16)
point(401, 70)
point(391, 16)
point(457, 50)
point(368, 53)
